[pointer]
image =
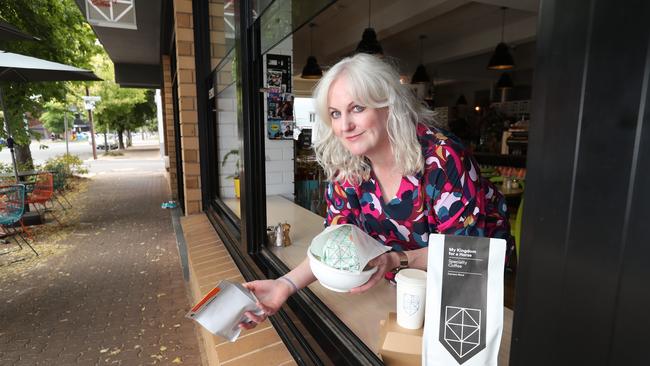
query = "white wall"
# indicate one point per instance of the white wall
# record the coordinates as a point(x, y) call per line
point(279, 153)
point(228, 139)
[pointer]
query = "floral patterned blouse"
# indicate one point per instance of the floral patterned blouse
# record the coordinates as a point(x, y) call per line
point(450, 197)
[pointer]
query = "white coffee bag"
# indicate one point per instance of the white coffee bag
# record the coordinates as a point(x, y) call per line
point(464, 307)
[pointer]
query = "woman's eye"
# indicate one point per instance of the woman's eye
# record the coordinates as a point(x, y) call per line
point(335, 114)
point(358, 108)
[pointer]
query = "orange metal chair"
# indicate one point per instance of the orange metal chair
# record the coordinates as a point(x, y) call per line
point(42, 193)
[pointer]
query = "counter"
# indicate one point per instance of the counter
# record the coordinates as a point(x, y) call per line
point(362, 312)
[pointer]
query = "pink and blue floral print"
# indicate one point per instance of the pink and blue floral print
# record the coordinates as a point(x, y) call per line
point(450, 197)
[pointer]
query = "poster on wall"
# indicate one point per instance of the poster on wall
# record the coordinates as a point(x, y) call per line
point(279, 100)
point(274, 128)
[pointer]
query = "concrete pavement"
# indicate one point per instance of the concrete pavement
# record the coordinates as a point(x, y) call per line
point(117, 294)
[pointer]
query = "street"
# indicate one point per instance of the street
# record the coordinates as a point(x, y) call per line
point(83, 150)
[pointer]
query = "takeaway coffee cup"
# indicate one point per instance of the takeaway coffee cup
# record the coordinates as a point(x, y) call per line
point(411, 291)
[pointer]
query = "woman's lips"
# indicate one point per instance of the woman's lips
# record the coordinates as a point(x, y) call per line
point(352, 138)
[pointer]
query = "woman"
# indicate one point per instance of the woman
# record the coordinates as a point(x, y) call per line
point(391, 172)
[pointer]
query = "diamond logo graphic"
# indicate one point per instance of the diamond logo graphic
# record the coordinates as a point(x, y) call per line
point(462, 329)
point(410, 304)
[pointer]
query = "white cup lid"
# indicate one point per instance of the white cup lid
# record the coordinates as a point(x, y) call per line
point(410, 276)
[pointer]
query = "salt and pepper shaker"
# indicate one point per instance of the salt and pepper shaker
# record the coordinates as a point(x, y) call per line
point(278, 236)
point(286, 239)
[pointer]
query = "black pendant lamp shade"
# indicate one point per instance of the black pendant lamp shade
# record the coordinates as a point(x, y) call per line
point(420, 76)
point(501, 58)
point(369, 43)
point(461, 100)
point(505, 81)
point(311, 70)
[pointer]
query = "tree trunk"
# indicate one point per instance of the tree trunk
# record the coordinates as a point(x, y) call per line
point(23, 157)
point(120, 139)
point(129, 141)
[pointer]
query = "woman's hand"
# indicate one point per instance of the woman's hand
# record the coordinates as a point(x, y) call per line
point(271, 294)
point(384, 263)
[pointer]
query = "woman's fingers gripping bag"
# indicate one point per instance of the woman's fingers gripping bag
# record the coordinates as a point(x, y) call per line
point(338, 257)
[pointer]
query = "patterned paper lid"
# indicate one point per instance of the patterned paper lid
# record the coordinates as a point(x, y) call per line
point(340, 252)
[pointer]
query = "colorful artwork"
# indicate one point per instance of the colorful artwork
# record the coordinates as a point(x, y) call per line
point(279, 100)
point(274, 129)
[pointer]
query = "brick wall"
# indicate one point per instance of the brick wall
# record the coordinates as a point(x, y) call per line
point(209, 263)
point(188, 117)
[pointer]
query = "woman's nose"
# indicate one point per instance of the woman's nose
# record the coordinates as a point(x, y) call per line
point(348, 123)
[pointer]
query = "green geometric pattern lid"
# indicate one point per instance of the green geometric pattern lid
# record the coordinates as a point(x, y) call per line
point(340, 252)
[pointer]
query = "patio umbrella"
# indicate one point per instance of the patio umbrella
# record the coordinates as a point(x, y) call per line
point(19, 68)
point(10, 33)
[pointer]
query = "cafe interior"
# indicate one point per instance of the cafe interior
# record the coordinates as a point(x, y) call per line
point(469, 61)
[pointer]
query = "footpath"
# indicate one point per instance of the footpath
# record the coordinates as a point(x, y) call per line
point(112, 293)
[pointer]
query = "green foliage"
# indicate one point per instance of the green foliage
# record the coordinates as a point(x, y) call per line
point(65, 38)
point(6, 168)
point(120, 109)
point(53, 117)
point(67, 163)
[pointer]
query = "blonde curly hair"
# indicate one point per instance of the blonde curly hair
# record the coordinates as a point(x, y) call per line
point(374, 84)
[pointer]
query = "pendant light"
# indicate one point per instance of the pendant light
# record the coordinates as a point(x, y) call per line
point(369, 43)
point(501, 58)
point(311, 70)
point(420, 76)
point(461, 100)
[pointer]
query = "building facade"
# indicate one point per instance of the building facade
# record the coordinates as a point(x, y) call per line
point(235, 106)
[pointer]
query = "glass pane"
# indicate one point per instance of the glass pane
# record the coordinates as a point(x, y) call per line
point(222, 29)
point(259, 6)
point(229, 23)
point(285, 16)
point(228, 145)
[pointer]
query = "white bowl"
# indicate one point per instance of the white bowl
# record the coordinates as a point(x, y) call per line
point(336, 279)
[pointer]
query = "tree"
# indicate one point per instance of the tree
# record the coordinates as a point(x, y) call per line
point(65, 38)
point(121, 109)
point(53, 117)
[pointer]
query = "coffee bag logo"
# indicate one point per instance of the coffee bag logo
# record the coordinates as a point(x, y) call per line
point(410, 304)
point(462, 329)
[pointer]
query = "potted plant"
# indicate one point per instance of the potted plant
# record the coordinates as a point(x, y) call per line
point(235, 175)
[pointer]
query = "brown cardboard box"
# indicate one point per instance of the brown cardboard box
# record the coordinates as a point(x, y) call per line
point(399, 346)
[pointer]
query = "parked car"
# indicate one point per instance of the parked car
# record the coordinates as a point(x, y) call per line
point(83, 136)
point(99, 141)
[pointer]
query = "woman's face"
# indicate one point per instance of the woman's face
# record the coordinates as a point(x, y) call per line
point(360, 129)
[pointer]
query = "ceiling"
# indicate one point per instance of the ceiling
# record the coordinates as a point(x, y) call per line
point(135, 52)
point(455, 30)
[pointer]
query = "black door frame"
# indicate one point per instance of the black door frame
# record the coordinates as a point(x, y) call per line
point(177, 128)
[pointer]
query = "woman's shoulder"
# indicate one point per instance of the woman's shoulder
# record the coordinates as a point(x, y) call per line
point(436, 141)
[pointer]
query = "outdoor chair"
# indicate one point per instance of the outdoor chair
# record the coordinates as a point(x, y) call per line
point(60, 178)
point(42, 193)
point(12, 207)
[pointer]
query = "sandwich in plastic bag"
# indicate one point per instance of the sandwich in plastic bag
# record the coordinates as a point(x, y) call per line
point(223, 308)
